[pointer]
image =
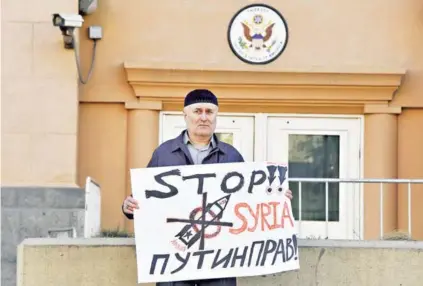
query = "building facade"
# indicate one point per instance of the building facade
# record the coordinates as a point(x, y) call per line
point(347, 85)
point(343, 100)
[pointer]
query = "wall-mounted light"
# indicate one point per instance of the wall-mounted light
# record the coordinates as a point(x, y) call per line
point(67, 24)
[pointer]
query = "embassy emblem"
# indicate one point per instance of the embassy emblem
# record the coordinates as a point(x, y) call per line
point(257, 34)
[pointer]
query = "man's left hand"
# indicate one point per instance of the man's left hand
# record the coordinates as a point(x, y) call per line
point(288, 194)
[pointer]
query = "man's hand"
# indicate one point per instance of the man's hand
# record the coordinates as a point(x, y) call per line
point(289, 194)
point(129, 204)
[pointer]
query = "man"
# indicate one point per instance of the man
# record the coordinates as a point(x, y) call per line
point(196, 145)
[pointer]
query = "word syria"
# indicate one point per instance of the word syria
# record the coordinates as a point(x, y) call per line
point(268, 216)
point(256, 178)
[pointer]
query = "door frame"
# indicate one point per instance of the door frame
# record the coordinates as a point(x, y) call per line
point(348, 131)
point(247, 127)
point(226, 114)
point(260, 147)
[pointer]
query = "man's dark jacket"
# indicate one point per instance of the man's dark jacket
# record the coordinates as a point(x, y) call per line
point(175, 153)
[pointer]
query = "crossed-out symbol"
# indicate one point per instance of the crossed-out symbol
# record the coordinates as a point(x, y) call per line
point(213, 217)
point(202, 222)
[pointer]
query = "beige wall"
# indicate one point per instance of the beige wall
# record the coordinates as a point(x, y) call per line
point(103, 139)
point(40, 89)
point(323, 36)
point(353, 36)
point(39, 96)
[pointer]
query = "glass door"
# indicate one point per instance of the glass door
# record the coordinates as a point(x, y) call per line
point(319, 148)
point(235, 130)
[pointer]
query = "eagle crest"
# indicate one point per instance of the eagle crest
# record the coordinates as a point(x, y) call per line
point(259, 38)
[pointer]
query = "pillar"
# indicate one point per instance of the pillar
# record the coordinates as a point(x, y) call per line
point(410, 166)
point(143, 137)
point(380, 162)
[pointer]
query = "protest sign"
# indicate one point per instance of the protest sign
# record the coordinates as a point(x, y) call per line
point(246, 228)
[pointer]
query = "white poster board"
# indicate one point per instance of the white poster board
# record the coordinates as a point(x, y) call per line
point(248, 228)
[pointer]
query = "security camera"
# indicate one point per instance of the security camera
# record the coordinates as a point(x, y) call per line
point(67, 23)
point(67, 20)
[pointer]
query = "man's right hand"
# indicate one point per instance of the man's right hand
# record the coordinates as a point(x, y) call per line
point(129, 204)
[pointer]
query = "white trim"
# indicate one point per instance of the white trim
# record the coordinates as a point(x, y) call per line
point(161, 115)
point(260, 148)
point(241, 128)
point(349, 164)
point(260, 137)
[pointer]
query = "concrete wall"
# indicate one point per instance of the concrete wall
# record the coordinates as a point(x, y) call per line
point(30, 212)
point(110, 262)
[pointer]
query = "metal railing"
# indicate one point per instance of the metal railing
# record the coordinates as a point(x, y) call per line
point(381, 183)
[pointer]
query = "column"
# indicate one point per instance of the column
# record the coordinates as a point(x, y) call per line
point(143, 135)
point(410, 166)
point(380, 162)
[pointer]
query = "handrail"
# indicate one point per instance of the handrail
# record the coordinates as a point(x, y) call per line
point(409, 182)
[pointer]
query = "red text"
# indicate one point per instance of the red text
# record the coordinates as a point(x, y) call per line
point(268, 216)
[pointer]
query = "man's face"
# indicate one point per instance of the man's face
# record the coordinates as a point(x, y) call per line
point(200, 119)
